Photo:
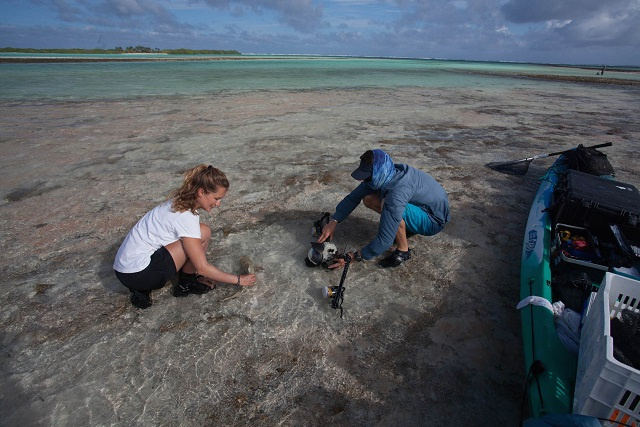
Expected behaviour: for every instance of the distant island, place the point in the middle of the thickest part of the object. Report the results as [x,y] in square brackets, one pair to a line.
[121,50]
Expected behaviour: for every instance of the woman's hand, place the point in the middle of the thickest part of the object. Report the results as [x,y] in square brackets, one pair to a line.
[206,281]
[247,280]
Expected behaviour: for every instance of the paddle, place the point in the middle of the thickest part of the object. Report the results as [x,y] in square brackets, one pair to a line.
[520,167]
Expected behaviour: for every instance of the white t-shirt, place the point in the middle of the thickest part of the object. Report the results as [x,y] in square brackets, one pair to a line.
[159,227]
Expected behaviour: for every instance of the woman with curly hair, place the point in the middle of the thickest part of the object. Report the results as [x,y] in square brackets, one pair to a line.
[170,239]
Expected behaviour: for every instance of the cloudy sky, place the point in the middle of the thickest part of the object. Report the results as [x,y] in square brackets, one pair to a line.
[549,31]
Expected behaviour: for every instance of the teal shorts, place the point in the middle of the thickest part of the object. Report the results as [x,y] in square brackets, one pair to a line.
[419,222]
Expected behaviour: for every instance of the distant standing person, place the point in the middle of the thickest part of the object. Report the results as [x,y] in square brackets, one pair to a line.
[408,200]
[170,239]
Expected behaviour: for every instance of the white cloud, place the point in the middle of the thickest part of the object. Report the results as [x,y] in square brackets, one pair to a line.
[600,27]
[555,23]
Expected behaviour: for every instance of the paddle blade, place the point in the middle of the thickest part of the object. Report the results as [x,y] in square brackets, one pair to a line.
[514,167]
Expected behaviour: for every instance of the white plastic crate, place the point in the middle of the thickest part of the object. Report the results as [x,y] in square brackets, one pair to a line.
[606,388]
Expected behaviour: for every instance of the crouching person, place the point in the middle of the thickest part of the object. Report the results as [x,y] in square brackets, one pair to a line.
[171,239]
[408,200]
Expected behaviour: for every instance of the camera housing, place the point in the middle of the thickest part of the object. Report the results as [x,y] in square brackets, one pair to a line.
[320,254]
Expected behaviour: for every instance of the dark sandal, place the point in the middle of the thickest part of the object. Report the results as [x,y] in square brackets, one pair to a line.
[199,288]
[141,299]
[395,259]
[190,284]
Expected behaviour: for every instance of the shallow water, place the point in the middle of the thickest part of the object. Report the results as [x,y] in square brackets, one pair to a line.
[436,340]
[117,80]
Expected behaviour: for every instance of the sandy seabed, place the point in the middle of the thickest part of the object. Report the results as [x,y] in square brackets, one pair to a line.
[434,342]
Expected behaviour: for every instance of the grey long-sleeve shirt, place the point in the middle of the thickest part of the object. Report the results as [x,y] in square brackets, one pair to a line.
[409,185]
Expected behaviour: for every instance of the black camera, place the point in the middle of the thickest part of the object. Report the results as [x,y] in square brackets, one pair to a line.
[320,253]
[318,225]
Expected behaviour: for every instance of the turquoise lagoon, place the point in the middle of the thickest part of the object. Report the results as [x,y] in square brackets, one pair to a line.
[201,75]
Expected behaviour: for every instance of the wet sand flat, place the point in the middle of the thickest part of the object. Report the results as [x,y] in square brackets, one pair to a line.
[433,342]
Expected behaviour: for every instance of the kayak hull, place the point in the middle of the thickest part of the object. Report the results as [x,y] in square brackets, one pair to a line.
[550,367]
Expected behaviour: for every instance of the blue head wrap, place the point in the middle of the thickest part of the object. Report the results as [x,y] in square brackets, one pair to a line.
[383,170]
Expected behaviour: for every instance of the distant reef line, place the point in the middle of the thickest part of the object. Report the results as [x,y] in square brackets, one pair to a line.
[122,51]
[577,79]
[581,79]
[126,58]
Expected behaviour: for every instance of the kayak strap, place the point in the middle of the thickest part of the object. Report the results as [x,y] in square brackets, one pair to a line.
[536,368]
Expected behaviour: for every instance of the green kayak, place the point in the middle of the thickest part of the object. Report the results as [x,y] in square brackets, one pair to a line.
[551,368]
[554,249]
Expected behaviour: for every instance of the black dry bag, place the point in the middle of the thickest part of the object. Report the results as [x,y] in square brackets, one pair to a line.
[589,160]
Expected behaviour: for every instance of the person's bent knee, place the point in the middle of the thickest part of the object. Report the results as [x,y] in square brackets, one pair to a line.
[371,201]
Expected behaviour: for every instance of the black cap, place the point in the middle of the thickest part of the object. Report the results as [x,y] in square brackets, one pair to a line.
[363,172]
